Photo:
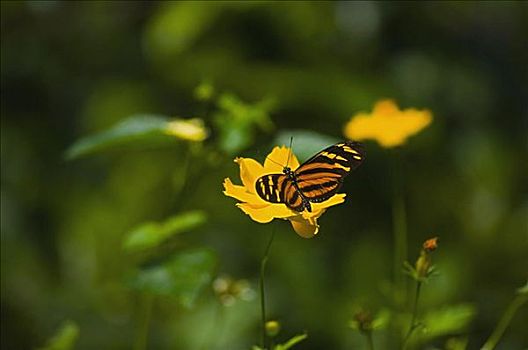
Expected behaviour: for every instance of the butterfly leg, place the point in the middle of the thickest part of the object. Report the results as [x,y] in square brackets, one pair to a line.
[307,205]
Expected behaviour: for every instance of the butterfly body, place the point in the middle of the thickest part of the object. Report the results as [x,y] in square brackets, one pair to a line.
[291,176]
[314,181]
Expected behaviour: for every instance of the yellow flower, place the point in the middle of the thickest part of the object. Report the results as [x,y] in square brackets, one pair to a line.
[387,124]
[187,129]
[305,223]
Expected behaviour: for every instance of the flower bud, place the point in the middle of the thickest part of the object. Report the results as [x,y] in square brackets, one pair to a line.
[431,244]
[272,328]
[187,129]
[423,263]
[363,321]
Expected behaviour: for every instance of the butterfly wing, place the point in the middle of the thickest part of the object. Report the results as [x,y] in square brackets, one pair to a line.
[293,198]
[320,177]
[278,188]
[317,179]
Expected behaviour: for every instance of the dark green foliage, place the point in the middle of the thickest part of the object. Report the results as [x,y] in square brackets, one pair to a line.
[182,276]
[140,214]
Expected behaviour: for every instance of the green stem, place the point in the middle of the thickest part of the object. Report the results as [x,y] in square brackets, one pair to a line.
[413,324]
[181,185]
[399,218]
[142,337]
[272,344]
[262,292]
[370,342]
[505,320]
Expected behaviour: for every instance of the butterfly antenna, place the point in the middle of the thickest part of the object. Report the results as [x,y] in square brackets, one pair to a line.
[274,161]
[290,152]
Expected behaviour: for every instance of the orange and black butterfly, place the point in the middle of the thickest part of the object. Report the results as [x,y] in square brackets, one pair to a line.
[314,181]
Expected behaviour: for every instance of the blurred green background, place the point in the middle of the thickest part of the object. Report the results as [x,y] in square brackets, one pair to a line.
[265,71]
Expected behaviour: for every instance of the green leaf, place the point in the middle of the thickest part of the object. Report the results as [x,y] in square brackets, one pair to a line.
[292,342]
[456,343]
[381,320]
[452,319]
[136,129]
[182,276]
[65,337]
[523,289]
[306,143]
[152,234]
[204,91]
[238,121]
[176,25]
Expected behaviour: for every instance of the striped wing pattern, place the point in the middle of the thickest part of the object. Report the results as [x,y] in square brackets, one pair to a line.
[316,180]
[278,188]
[321,177]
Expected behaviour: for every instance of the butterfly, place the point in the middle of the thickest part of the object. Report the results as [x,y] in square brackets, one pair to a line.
[314,181]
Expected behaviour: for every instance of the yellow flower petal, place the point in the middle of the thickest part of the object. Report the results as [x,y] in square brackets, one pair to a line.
[305,223]
[321,207]
[385,107]
[250,171]
[239,192]
[387,124]
[304,228]
[278,159]
[266,213]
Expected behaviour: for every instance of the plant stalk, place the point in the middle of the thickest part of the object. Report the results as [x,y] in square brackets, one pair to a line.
[413,324]
[262,291]
[370,342]
[399,218]
[505,320]
[142,338]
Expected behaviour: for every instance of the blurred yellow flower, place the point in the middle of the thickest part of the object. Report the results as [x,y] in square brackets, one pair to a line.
[229,290]
[187,129]
[305,223]
[387,124]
